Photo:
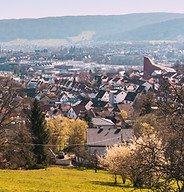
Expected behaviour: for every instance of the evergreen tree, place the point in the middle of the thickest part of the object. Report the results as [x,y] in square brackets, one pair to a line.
[147,105]
[88,119]
[40,133]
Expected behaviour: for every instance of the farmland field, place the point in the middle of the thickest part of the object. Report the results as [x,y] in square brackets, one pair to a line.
[58,179]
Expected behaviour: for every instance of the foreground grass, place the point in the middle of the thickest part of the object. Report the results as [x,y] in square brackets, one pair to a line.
[56,179]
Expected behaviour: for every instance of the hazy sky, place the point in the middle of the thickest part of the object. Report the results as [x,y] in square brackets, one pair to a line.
[44,8]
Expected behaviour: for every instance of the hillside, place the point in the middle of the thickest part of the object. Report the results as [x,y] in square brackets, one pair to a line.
[168,30]
[70,29]
[57,179]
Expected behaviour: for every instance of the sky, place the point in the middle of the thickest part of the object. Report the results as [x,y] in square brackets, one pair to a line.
[15,9]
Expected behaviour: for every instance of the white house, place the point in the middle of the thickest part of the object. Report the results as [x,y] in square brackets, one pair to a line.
[76,111]
[63,98]
[103,95]
[117,96]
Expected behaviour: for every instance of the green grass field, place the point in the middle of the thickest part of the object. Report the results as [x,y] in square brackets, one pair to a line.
[60,180]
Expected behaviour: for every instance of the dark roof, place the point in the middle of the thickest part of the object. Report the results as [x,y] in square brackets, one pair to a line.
[68,83]
[130,96]
[65,82]
[181,82]
[169,74]
[57,81]
[46,78]
[61,82]
[116,79]
[84,101]
[97,103]
[135,81]
[79,109]
[81,86]
[116,108]
[31,92]
[100,94]
[76,85]
[73,100]
[109,78]
[47,107]
[140,89]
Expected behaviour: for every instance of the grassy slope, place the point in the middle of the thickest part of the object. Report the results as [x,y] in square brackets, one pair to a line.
[58,179]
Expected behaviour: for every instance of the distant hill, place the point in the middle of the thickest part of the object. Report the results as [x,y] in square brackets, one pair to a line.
[143,26]
[168,30]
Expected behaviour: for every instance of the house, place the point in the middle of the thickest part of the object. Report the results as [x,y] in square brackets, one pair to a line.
[53,89]
[117,96]
[45,99]
[130,98]
[102,112]
[63,98]
[32,83]
[87,103]
[103,95]
[53,113]
[126,107]
[141,89]
[102,123]
[64,108]
[116,82]
[147,85]
[69,85]
[73,101]
[76,112]
[99,139]
[92,95]
[100,104]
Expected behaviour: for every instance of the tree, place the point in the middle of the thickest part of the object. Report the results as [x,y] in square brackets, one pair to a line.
[77,135]
[23,156]
[172,111]
[88,119]
[139,161]
[16,69]
[115,161]
[146,158]
[59,129]
[10,102]
[37,125]
[147,104]
[123,114]
[68,133]
[12,127]
[146,124]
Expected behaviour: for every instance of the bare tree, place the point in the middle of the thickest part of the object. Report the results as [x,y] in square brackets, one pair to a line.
[172,111]
[10,102]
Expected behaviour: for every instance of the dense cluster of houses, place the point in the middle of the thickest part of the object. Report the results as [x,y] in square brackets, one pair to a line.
[102,97]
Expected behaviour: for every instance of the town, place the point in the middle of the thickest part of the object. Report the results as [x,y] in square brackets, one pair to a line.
[76,88]
[99,107]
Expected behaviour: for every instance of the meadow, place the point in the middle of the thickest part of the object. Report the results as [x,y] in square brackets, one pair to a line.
[61,179]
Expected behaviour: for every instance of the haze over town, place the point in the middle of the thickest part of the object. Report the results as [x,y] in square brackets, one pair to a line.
[15,9]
